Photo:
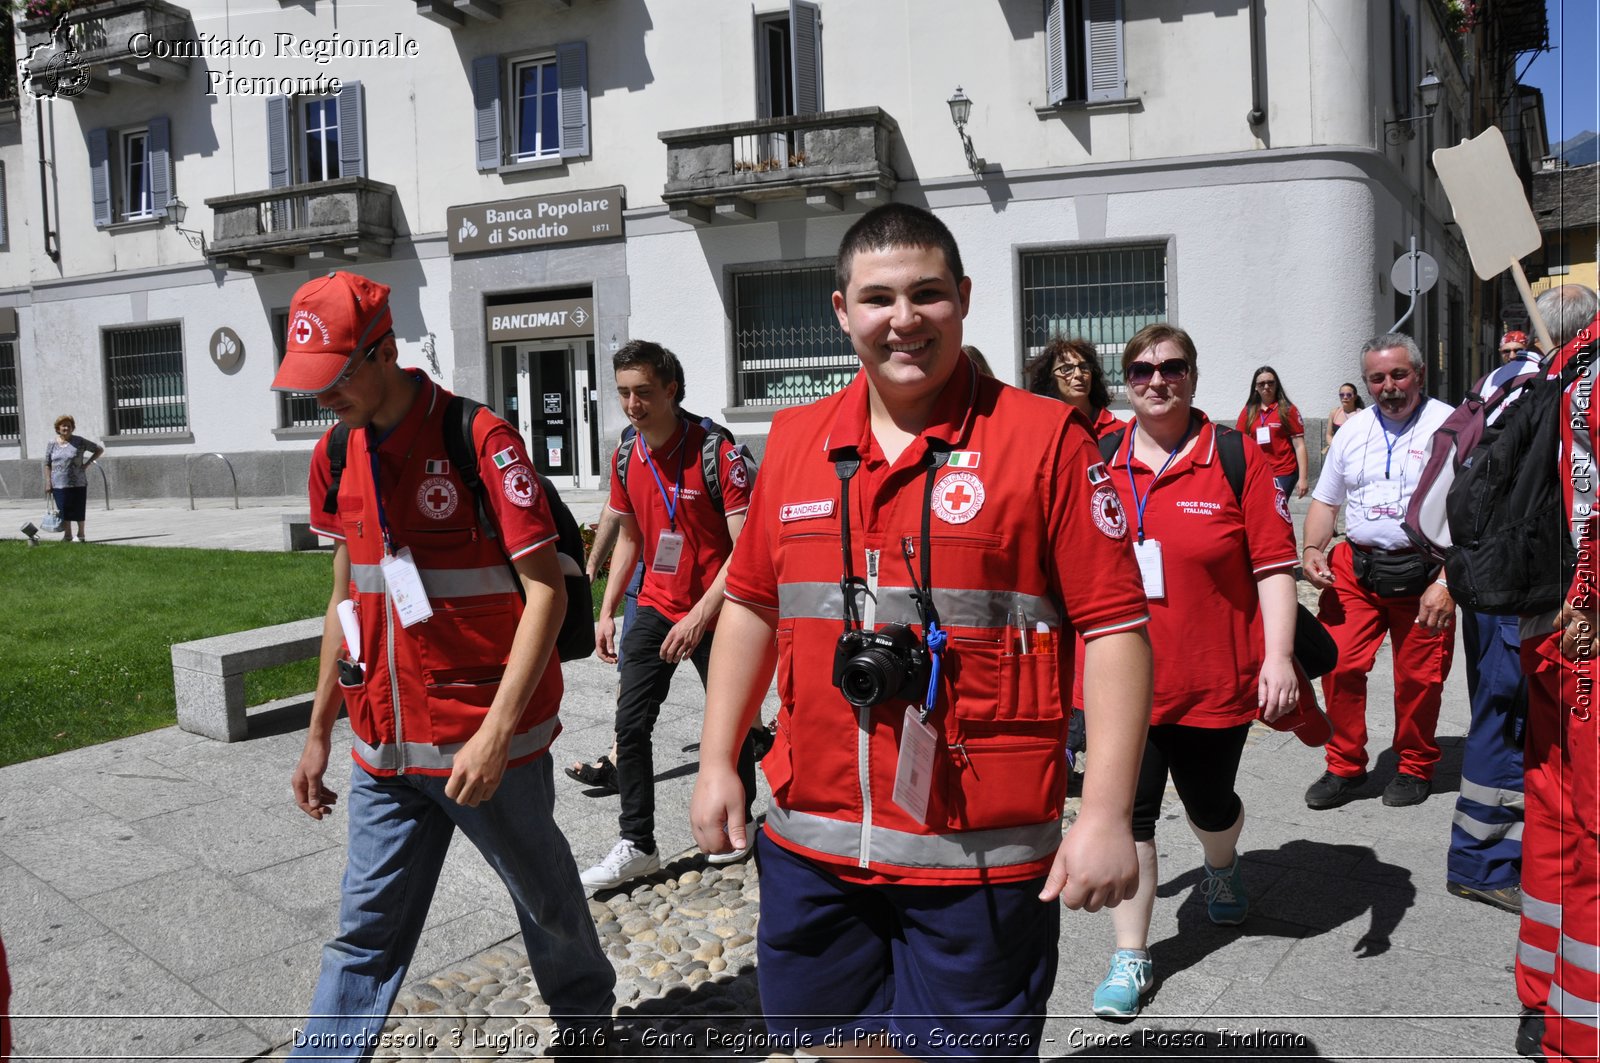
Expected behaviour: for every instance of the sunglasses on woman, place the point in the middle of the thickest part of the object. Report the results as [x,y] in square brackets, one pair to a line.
[1172,370]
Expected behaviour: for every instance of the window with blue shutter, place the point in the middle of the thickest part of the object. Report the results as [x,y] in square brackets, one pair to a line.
[544,101]
[160,165]
[100,176]
[1084,55]
[486,102]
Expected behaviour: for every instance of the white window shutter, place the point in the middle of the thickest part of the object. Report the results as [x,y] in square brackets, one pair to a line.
[160,160]
[100,176]
[1103,45]
[352,131]
[805,54]
[572,67]
[486,104]
[1055,51]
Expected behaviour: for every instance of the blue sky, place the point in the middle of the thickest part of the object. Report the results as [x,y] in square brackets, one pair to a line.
[1569,74]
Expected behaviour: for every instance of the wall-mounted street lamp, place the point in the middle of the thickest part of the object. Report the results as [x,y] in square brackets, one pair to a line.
[1428,90]
[960,111]
[177,210]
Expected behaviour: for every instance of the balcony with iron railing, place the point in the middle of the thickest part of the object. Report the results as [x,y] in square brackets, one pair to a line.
[826,159]
[455,14]
[348,219]
[103,45]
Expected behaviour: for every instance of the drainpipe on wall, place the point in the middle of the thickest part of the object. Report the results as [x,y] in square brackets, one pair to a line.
[1258,73]
[51,240]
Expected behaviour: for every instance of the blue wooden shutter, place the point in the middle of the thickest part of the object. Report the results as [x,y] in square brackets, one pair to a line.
[805,54]
[486,102]
[572,66]
[1103,46]
[160,162]
[280,157]
[352,131]
[1055,51]
[100,176]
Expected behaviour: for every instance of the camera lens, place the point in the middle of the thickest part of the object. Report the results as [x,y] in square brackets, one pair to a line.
[871,676]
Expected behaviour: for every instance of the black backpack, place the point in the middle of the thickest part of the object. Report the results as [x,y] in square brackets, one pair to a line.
[710,467]
[1314,649]
[575,641]
[1512,553]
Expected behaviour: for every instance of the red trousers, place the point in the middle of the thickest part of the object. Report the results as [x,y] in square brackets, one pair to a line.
[1558,946]
[1358,620]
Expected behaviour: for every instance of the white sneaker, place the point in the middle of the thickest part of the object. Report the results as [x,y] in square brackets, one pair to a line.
[733,856]
[623,863]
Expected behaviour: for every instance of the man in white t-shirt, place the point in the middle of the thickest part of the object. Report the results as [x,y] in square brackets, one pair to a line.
[1376,583]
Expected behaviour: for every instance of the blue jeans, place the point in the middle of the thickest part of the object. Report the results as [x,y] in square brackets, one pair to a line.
[400,830]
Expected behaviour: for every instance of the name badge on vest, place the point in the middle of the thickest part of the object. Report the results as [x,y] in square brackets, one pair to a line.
[669,551]
[913,775]
[1148,554]
[1263,434]
[410,600]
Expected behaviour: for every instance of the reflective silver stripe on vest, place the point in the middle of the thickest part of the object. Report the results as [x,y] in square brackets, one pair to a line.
[441,582]
[957,608]
[1580,954]
[1487,832]
[1003,847]
[1490,795]
[1536,959]
[388,756]
[1574,1008]
[1545,913]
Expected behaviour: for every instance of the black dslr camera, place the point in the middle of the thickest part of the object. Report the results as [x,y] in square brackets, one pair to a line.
[870,667]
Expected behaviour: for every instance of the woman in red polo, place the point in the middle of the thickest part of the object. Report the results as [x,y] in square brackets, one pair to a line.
[1218,567]
[1274,423]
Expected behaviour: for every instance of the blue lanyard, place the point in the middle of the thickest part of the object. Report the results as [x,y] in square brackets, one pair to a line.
[1389,444]
[677,493]
[1140,503]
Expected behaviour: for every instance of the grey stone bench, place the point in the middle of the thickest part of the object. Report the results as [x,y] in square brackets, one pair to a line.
[208,674]
[297,533]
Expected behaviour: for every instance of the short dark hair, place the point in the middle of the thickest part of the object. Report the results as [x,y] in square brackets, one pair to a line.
[895,225]
[654,357]
[1040,373]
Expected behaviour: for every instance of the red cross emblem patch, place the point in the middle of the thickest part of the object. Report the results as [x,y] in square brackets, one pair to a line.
[957,497]
[520,485]
[1107,511]
[302,331]
[437,498]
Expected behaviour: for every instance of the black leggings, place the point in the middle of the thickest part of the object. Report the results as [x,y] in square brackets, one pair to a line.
[1204,762]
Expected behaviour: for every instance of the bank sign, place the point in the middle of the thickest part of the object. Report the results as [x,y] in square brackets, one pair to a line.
[536,221]
[552,319]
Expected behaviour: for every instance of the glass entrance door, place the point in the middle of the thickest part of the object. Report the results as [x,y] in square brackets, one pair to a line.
[543,389]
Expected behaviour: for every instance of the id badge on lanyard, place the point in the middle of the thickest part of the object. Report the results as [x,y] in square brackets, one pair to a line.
[410,599]
[1263,433]
[913,774]
[669,551]
[1148,554]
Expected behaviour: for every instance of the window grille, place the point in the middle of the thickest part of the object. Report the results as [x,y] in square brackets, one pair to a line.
[1104,295]
[295,411]
[10,412]
[144,374]
[787,345]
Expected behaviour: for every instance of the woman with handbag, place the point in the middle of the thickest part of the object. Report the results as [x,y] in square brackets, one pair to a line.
[1217,554]
[65,459]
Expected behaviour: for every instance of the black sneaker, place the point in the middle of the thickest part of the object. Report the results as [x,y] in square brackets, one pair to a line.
[1530,1034]
[1506,898]
[1405,790]
[1332,790]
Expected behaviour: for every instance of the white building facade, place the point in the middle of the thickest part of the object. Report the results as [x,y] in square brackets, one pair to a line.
[542,180]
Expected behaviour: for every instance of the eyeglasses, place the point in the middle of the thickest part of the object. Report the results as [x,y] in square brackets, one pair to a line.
[1266,383]
[1068,369]
[355,365]
[1396,375]
[1347,394]
[1172,370]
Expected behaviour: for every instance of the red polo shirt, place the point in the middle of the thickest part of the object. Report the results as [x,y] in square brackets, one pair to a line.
[1283,426]
[704,528]
[1207,632]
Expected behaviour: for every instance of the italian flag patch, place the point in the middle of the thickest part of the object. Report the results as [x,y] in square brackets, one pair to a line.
[437,468]
[964,459]
[506,457]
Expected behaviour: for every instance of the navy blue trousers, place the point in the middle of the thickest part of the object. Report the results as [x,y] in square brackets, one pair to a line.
[1486,835]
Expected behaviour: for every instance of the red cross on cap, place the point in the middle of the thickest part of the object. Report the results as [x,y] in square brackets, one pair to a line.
[302,331]
[957,497]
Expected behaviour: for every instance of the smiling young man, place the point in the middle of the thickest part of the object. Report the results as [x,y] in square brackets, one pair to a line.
[1376,583]
[668,517]
[451,681]
[908,880]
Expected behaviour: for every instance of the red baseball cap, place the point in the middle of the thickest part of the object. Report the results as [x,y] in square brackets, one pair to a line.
[1519,340]
[331,320]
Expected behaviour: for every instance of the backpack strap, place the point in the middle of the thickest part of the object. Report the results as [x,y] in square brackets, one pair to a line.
[338,442]
[459,414]
[710,466]
[622,455]
[1230,451]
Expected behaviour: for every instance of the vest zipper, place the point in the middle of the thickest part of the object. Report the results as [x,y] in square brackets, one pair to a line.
[394,686]
[864,772]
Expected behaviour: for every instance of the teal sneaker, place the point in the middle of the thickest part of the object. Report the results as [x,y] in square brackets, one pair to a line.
[1119,996]
[1226,903]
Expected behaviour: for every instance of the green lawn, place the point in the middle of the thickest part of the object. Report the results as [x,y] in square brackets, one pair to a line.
[88,658]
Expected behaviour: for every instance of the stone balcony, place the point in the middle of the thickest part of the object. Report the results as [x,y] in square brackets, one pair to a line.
[307,226]
[826,160]
[458,13]
[102,40]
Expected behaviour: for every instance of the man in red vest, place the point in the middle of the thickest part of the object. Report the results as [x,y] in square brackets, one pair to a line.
[453,717]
